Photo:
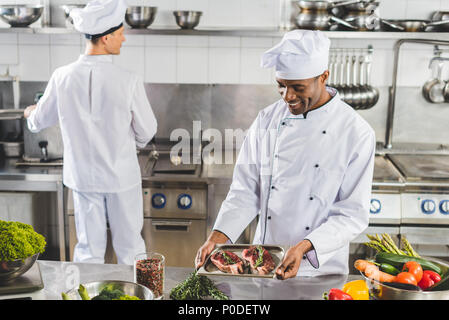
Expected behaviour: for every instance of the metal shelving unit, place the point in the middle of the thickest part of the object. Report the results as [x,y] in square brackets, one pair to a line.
[246,32]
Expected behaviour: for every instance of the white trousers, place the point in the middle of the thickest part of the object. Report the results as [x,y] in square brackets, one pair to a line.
[124,213]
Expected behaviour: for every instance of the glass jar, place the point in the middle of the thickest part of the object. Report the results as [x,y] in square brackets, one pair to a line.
[149,271]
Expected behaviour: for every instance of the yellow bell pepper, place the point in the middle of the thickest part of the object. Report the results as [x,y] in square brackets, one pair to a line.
[357,289]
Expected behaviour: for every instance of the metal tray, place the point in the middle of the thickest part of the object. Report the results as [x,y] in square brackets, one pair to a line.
[209,269]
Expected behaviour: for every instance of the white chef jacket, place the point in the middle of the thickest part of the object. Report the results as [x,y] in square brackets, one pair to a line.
[103,113]
[307,178]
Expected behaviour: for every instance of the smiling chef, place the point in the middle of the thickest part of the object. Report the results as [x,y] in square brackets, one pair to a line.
[305,167]
[104,113]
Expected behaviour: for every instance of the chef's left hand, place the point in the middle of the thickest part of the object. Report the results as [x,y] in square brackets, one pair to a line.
[292,260]
[28,111]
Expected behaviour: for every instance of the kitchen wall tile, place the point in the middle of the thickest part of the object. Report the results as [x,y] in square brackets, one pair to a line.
[9,38]
[393,9]
[192,65]
[65,39]
[160,41]
[444,5]
[192,41]
[418,9]
[34,63]
[132,59]
[35,39]
[164,16]
[160,64]
[224,65]
[250,71]
[419,73]
[133,40]
[257,42]
[224,42]
[8,54]
[382,68]
[259,13]
[225,13]
[63,55]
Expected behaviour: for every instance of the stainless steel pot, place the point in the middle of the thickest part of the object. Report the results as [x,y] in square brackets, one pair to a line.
[187,19]
[317,15]
[20,15]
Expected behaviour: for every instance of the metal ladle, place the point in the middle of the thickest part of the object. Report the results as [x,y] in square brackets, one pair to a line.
[372,92]
[355,88]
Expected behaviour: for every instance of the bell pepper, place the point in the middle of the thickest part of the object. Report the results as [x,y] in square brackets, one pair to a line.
[414,268]
[336,294]
[428,279]
[357,289]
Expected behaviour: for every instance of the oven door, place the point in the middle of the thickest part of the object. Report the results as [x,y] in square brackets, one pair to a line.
[177,240]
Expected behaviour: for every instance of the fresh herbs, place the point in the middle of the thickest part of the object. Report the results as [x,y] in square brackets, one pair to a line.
[259,260]
[196,287]
[386,244]
[227,258]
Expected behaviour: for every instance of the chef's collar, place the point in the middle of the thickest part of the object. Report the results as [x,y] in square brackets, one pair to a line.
[96,58]
[324,109]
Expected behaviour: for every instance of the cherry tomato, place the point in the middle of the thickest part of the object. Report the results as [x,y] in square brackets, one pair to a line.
[406,277]
[414,268]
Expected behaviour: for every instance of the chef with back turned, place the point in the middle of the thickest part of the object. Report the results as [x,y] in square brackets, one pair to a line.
[305,167]
[104,114]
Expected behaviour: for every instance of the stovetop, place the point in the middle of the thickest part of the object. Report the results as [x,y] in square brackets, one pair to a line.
[422,167]
[385,171]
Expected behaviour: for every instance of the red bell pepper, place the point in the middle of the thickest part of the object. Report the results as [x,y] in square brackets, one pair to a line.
[429,278]
[337,294]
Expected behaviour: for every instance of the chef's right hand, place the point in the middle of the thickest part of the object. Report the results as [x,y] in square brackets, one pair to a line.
[216,237]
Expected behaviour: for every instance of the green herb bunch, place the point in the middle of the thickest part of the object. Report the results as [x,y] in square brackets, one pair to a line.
[19,241]
[197,287]
[227,258]
[260,257]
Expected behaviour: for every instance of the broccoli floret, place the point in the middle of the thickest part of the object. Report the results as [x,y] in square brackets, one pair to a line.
[127,297]
[108,293]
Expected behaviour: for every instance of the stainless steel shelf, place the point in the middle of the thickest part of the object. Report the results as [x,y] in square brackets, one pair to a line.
[246,32]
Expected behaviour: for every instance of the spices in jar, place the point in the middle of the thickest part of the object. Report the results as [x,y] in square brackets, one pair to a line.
[149,272]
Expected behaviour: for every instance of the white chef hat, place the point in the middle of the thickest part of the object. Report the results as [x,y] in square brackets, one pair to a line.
[302,54]
[99,17]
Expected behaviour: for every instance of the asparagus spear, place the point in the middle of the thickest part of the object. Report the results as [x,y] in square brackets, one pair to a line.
[65,296]
[83,293]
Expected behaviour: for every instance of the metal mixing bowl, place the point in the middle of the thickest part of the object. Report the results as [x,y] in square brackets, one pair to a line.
[140,16]
[187,19]
[10,270]
[68,7]
[20,15]
[382,292]
[129,288]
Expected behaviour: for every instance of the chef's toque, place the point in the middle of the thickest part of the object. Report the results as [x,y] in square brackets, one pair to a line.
[99,17]
[302,54]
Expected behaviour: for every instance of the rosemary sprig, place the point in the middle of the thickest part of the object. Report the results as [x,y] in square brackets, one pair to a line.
[259,260]
[227,258]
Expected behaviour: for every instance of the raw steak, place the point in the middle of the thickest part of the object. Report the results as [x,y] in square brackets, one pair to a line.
[252,254]
[225,265]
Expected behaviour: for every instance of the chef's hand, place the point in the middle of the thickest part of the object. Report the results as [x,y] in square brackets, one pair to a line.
[292,260]
[28,110]
[216,237]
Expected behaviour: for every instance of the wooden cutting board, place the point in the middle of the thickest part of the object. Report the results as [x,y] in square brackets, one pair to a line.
[28,282]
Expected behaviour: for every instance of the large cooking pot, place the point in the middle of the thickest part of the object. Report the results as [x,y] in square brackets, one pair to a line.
[364,18]
[317,15]
[441,16]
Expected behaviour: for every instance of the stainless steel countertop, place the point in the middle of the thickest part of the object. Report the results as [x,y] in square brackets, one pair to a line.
[62,276]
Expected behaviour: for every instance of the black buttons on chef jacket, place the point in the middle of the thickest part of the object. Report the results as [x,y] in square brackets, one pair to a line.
[317,165]
[307,228]
[269,217]
[311,198]
[272,187]
[324,131]
[283,123]
[304,257]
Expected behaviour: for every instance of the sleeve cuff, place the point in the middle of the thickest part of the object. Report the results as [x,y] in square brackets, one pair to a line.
[312,256]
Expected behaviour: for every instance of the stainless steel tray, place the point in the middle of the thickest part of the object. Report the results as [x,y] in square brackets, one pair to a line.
[209,269]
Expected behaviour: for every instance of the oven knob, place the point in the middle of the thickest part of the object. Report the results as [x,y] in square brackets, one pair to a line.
[428,206]
[184,201]
[375,206]
[444,206]
[158,200]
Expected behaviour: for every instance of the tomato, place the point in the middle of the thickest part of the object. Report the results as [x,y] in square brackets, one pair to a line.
[406,277]
[414,268]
